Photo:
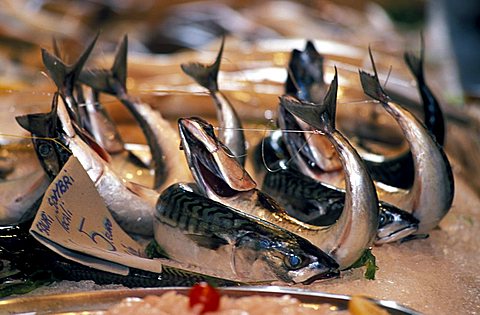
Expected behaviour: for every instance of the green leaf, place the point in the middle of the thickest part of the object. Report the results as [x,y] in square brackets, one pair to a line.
[153,250]
[369,261]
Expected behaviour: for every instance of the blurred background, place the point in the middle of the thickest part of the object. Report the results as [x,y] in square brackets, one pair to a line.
[451,29]
[260,36]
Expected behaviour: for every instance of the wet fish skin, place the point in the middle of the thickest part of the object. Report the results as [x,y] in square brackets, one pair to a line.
[102,127]
[231,131]
[224,180]
[300,159]
[431,195]
[132,206]
[65,76]
[434,120]
[305,74]
[230,241]
[162,140]
[20,197]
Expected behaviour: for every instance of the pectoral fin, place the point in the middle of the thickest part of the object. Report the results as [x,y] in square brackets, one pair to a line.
[208,241]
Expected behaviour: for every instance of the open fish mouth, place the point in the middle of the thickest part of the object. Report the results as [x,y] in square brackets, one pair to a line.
[322,276]
[211,162]
[396,235]
[301,148]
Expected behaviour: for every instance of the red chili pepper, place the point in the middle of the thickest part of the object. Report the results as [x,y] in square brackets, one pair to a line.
[206,295]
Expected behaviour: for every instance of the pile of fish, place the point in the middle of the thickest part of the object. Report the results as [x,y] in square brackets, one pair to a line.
[323,199]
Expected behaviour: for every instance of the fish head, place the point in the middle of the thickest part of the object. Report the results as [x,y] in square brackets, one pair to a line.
[305,74]
[291,259]
[46,138]
[394,224]
[214,167]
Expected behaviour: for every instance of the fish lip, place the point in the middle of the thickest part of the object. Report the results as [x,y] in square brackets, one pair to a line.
[397,235]
[204,152]
[322,276]
[302,153]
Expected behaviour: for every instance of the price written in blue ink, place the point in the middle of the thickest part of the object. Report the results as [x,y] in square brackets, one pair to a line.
[105,236]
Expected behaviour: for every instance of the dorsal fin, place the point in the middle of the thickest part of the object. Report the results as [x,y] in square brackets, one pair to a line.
[205,75]
[41,124]
[319,116]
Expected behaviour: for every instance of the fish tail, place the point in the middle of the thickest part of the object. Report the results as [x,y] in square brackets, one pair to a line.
[319,116]
[42,124]
[62,74]
[371,84]
[414,63]
[119,68]
[101,80]
[205,75]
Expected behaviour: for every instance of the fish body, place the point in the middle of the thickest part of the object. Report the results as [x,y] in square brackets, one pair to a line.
[433,115]
[431,195]
[231,131]
[312,190]
[101,125]
[305,75]
[65,77]
[131,205]
[162,140]
[224,180]
[320,204]
[20,197]
[231,242]
[7,165]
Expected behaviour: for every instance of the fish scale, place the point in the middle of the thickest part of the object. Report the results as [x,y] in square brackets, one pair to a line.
[175,203]
[231,243]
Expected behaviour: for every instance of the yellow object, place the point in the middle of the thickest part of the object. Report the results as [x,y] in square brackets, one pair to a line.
[359,305]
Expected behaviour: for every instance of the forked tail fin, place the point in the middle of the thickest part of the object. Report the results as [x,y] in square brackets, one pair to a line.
[205,75]
[62,74]
[414,63]
[107,81]
[319,116]
[370,83]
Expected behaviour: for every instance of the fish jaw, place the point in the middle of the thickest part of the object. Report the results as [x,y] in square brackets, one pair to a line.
[394,224]
[241,239]
[215,169]
[313,154]
[19,196]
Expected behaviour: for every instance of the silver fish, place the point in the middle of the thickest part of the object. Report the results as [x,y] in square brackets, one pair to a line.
[131,205]
[310,185]
[431,195]
[169,165]
[19,197]
[6,166]
[65,76]
[231,132]
[101,126]
[196,230]
[225,181]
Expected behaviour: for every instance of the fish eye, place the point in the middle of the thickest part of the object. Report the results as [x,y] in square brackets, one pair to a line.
[384,218]
[293,261]
[44,149]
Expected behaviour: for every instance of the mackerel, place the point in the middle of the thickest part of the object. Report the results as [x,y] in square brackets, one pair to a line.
[194,229]
[231,132]
[162,139]
[224,180]
[431,195]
